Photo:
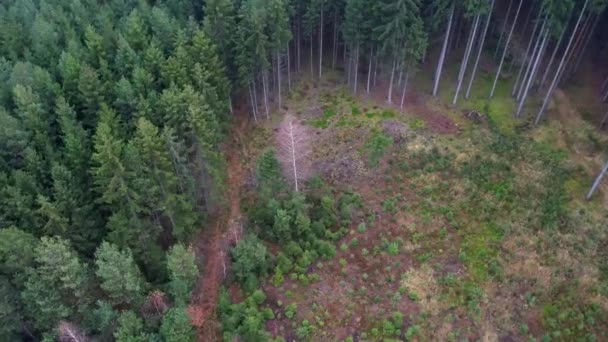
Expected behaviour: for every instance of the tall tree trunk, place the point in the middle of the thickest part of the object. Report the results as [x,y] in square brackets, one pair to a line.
[265,90]
[356,71]
[288,69]
[369,69]
[573,51]
[407,76]
[465,59]
[530,80]
[279,78]
[255,95]
[504,29]
[528,52]
[312,63]
[535,51]
[443,52]
[559,43]
[375,68]
[253,109]
[299,45]
[504,53]
[334,52]
[597,182]
[390,87]
[457,29]
[585,45]
[481,44]
[321,43]
[350,65]
[543,108]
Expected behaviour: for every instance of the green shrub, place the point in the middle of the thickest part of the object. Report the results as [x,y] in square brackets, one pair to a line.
[291,310]
[376,147]
[249,258]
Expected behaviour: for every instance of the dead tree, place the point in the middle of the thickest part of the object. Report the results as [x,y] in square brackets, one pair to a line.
[293,149]
[68,332]
[597,182]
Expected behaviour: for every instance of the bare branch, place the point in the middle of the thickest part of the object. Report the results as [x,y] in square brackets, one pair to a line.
[68,332]
[293,140]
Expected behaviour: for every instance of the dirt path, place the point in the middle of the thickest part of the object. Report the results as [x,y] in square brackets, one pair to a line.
[212,246]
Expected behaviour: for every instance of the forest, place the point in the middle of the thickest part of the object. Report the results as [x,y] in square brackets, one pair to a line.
[303,170]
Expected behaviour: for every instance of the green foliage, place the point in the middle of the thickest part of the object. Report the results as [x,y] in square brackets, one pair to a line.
[250,261]
[245,319]
[57,286]
[183,272]
[17,253]
[130,328]
[120,277]
[271,183]
[11,319]
[376,147]
[177,326]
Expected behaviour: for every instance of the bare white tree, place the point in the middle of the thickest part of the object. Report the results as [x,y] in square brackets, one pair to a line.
[293,149]
[69,332]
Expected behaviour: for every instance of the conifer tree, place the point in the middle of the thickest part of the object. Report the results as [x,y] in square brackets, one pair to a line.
[183,272]
[120,277]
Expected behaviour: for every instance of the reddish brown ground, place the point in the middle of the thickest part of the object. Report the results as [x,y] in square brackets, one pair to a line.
[212,246]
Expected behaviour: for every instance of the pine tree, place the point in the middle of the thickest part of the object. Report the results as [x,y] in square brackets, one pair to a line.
[17,252]
[120,277]
[57,287]
[183,272]
[177,326]
[11,320]
[130,328]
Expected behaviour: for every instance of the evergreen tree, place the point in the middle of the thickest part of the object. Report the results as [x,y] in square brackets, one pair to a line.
[183,272]
[11,320]
[130,328]
[120,277]
[176,326]
[17,253]
[58,285]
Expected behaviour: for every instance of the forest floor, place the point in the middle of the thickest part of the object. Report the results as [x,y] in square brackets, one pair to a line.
[212,246]
[471,229]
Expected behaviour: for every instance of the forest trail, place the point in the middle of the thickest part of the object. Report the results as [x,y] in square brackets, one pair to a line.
[213,246]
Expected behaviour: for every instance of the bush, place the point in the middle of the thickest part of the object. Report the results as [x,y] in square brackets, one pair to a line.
[250,260]
[376,147]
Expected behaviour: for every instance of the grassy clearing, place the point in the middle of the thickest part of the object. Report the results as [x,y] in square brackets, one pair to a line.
[462,236]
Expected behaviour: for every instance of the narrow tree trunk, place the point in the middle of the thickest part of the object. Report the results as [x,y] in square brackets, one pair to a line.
[288,69]
[375,68]
[356,71]
[279,78]
[443,52]
[400,75]
[504,53]
[457,29]
[543,108]
[481,44]
[530,80]
[535,52]
[504,28]
[597,182]
[369,69]
[585,45]
[334,52]
[312,64]
[255,95]
[255,116]
[528,51]
[390,87]
[407,76]
[575,48]
[559,43]
[265,90]
[350,66]
[321,43]
[465,60]
[299,45]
